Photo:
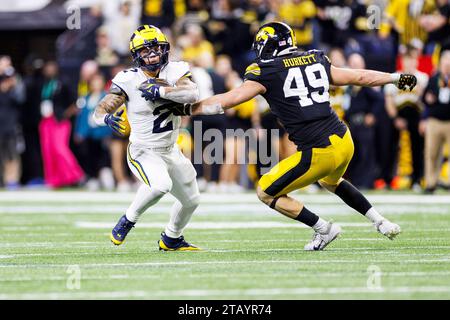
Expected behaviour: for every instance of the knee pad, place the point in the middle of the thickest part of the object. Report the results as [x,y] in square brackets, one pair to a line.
[193,201]
[162,186]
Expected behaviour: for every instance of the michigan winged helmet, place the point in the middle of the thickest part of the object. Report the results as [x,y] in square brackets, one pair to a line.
[152,38]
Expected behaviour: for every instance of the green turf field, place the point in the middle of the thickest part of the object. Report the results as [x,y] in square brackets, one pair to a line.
[50,240]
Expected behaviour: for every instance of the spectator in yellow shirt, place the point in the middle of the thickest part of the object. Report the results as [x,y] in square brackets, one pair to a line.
[299,14]
[403,16]
[196,44]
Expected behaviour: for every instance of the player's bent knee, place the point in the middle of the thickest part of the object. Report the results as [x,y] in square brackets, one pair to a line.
[193,202]
[330,187]
[163,187]
[264,197]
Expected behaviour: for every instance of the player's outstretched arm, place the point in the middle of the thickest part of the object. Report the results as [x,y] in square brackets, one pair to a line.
[371,78]
[216,104]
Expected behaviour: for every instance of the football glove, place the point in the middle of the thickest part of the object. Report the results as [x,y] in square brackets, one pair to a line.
[406,80]
[181,109]
[114,122]
[150,89]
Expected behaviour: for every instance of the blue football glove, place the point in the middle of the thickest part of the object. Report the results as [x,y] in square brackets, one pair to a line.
[150,89]
[114,122]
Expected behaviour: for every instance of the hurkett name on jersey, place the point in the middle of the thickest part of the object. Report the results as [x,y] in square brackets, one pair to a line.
[297,91]
[299,61]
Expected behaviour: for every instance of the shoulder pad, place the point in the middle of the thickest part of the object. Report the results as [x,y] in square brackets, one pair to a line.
[179,64]
[125,75]
[116,89]
[254,69]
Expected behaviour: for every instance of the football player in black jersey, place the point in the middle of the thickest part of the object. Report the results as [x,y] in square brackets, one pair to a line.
[296,84]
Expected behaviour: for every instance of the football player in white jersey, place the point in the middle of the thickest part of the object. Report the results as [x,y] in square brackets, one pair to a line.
[153,156]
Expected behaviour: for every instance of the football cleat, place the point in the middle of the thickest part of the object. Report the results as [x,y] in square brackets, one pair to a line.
[121,230]
[320,241]
[387,228]
[175,244]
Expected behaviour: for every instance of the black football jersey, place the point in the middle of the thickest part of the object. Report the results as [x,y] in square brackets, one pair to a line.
[297,92]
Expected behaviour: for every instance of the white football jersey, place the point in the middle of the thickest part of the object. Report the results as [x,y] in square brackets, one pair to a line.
[150,125]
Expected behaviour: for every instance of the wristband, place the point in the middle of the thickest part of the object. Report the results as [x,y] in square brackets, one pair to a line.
[212,109]
[395,77]
[99,120]
[162,92]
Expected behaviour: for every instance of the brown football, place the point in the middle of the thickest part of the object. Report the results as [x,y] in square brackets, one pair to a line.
[162,82]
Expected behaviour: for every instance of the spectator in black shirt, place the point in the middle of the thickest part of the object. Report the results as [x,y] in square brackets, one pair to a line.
[11,96]
[32,170]
[360,104]
[160,13]
[339,20]
[438,24]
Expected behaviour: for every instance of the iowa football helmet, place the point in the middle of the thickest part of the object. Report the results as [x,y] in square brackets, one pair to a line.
[152,38]
[274,39]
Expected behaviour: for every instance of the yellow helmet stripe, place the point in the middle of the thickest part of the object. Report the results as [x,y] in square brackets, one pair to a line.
[146,33]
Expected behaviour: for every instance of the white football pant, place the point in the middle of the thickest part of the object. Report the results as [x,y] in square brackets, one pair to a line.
[163,170]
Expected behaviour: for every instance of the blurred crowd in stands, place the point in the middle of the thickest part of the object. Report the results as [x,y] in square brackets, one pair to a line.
[47,136]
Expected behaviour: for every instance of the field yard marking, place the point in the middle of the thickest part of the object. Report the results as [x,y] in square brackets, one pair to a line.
[215,225]
[360,251]
[225,292]
[22,196]
[331,251]
[250,209]
[220,262]
[336,274]
[365,250]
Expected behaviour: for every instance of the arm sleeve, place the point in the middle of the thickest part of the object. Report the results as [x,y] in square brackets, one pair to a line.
[390,89]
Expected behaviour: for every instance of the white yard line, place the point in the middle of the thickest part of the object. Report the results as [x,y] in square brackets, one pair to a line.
[214,225]
[357,250]
[336,274]
[230,209]
[115,197]
[255,292]
[223,263]
[360,251]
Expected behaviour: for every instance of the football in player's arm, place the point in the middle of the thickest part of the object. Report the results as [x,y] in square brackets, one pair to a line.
[155,93]
[185,92]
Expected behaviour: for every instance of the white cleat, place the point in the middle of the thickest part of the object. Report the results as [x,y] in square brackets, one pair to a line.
[387,228]
[320,241]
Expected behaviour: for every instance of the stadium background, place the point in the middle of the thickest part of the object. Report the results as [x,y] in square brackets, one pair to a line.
[215,37]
